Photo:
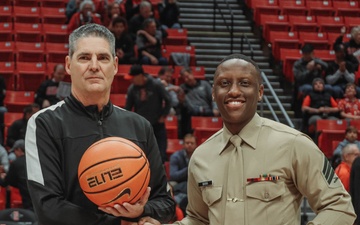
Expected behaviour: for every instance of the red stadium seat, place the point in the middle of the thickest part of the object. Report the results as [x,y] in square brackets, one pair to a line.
[55,33]
[320,8]
[118,99]
[30,51]
[330,24]
[176,37]
[171,125]
[273,23]
[7,71]
[15,101]
[6,13]
[347,8]
[30,75]
[333,36]
[356,123]
[328,131]
[351,22]
[7,50]
[52,15]
[288,57]
[53,3]
[325,55]
[56,52]
[151,69]
[28,32]
[27,3]
[303,23]
[293,7]
[318,40]
[281,39]
[260,7]
[204,126]
[173,145]
[24,14]
[167,50]
[120,85]
[6,31]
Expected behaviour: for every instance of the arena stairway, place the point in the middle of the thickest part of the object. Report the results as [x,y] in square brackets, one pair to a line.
[211,46]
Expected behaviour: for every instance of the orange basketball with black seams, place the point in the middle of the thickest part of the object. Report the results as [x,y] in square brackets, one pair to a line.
[112,171]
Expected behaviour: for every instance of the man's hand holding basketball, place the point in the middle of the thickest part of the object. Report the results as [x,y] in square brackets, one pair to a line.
[148,221]
[128,210]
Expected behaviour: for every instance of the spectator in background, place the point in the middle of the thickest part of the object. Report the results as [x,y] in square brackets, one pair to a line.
[352,47]
[195,99]
[132,8]
[165,75]
[148,41]
[179,162]
[350,105]
[46,94]
[351,136]
[169,15]
[3,109]
[341,71]
[16,176]
[112,11]
[124,45]
[85,15]
[306,69]
[355,188]
[318,104]
[72,7]
[348,155]
[136,22]
[148,98]
[17,129]
[4,160]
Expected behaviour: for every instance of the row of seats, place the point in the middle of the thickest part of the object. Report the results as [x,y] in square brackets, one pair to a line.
[329,131]
[33,14]
[320,24]
[308,7]
[27,76]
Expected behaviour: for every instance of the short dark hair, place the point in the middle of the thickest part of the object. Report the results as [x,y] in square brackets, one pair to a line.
[351,129]
[307,48]
[147,22]
[165,69]
[242,57]
[120,19]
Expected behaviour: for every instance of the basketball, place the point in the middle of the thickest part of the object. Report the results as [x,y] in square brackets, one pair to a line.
[112,171]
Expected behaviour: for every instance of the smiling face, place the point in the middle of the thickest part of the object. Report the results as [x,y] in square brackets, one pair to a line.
[92,68]
[236,91]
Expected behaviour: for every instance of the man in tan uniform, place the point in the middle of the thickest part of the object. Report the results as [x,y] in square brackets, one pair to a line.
[262,178]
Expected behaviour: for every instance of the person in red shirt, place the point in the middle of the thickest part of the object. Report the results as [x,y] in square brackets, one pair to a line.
[84,16]
[350,105]
[348,154]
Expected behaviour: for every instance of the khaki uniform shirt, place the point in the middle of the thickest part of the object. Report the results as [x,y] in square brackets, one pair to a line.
[271,148]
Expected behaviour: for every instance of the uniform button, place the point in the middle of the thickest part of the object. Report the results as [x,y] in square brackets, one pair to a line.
[266,195]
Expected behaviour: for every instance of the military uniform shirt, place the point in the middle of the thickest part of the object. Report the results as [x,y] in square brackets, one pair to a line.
[271,148]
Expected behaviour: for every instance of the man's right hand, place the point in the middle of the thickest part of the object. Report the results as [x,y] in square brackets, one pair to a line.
[148,221]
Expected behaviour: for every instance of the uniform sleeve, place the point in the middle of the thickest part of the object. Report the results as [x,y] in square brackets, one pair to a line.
[354,186]
[46,184]
[197,209]
[317,181]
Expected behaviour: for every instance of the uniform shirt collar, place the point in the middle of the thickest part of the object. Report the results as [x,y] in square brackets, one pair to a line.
[249,134]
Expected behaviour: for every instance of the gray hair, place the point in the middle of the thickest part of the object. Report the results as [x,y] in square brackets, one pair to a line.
[91,30]
[144,4]
[355,31]
[87,2]
[347,149]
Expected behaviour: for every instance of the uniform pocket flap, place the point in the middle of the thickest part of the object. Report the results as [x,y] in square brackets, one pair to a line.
[266,190]
[211,194]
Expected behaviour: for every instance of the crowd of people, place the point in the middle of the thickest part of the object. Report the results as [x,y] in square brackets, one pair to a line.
[139,26]
[205,184]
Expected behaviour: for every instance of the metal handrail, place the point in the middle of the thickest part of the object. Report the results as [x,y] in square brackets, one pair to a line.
[231,28]
[244,36]
[266,81]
